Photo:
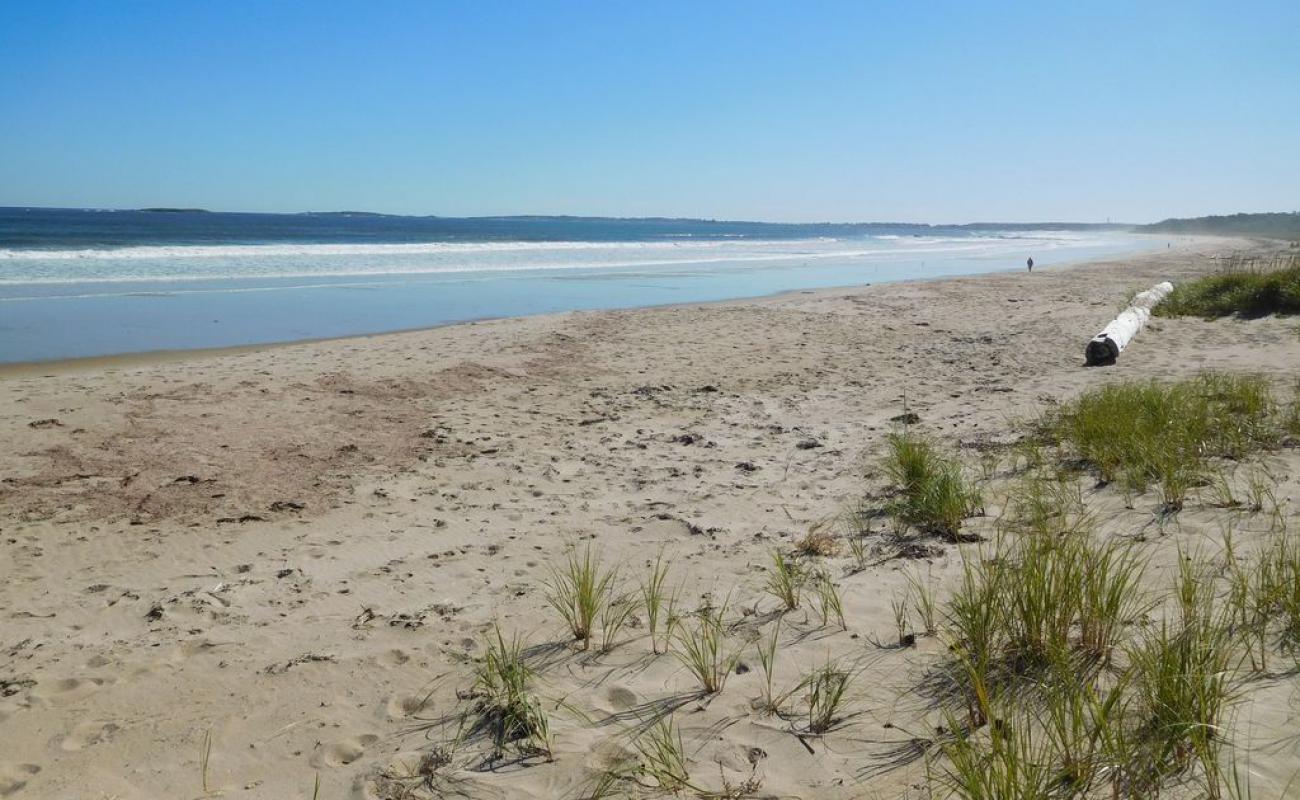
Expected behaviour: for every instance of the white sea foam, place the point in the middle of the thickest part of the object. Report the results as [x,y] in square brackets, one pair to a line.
[422,248]
[279,262]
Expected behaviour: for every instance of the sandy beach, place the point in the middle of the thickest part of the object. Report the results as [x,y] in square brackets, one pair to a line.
[283,561]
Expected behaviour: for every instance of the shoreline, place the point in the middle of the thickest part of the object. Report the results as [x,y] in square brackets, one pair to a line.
[144,358]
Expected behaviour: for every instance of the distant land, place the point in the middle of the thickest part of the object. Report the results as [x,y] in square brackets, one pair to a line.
[920,226]
[1274,226]
[1279,225]
[863,226]
[97,228]
[354,214]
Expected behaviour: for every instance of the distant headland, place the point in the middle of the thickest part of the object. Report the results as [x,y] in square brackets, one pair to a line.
[1272,225]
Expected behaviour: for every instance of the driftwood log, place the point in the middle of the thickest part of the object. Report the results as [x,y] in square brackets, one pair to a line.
[1106,346]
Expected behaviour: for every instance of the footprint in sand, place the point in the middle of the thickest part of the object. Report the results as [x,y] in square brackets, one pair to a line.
[65,689]
[15,776]
[87,734]
[344,751]
[393,658]
[401,706]
[621,698]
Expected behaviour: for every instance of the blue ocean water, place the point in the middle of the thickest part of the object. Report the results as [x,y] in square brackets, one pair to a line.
[79,283]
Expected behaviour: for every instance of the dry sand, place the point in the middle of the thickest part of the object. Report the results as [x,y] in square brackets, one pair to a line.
[296,550]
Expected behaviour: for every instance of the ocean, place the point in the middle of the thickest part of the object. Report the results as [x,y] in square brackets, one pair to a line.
[76,282]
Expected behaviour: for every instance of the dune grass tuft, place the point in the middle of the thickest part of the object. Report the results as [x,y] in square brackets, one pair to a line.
[205,758]
[1183,677]
[1291,414]
[785,580]
[921,596]
[660,603]
[1036,605]
[663,757]
[1047,503]
[579,591]
[829,603]
[933,494]
[902,622]
[772,701]
[703,649]
[1243,288]
[1264,600]
[507,708]
[827,688]
[1034,623]
[614,616]
[1143,433]
[1012,762]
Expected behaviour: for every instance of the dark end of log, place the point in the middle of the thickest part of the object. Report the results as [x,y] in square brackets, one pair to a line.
[1101,352]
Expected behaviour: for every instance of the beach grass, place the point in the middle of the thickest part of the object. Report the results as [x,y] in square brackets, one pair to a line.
[932,492]
[1012,763]
[580,590]
[1047,502]
[1033,623]
[663,757]
[922,596]
[901,610]
[785,580]
[829,603]
[1070,671]
[506,705]
[704,650]
[1242,288]
[771,702]
[1182,679]
[1291,413]
[614,616]
[1140,433]
[1264,599]
[659,603]
[858,550]
[827,687]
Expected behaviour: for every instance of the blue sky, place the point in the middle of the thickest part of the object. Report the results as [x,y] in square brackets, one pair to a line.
[796,111]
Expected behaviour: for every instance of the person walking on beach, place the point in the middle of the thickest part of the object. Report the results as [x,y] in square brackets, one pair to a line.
[1030,262]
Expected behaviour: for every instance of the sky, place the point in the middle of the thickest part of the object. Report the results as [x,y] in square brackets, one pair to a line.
[785,111]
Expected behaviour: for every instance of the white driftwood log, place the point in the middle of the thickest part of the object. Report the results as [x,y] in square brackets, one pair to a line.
[1106,346]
